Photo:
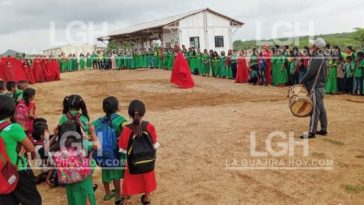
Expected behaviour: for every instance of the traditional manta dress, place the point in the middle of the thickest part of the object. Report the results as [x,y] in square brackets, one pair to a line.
[242,73]
[70,64]
[222,65]
[199,63]
[181,73]
[137,183]
[17,68]
[64,65]
[216,67]
[279,72]
[53,69]
[74,64]
[171,58]
[205,64]
[331,83]
[39,71]
[119,62]
[267,55]
[2,72]
[229,71]
[193,64]
[82,63]
[88,62]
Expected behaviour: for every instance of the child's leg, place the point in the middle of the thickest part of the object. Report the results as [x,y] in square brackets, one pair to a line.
[107,189]
[117,189]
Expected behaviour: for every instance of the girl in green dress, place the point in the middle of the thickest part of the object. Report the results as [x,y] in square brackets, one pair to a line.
[115,174]
[193,64]
[215,61]
[229,71]
[88,61]
[70,63]
[82,192]
[331,83]
[206,63]
[279,72]
[82,62]
[171,59]
[222,62]
[74,63]
[199,61]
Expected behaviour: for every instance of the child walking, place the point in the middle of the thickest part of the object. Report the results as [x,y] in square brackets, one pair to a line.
[137,131]
[109,144]
[25,111]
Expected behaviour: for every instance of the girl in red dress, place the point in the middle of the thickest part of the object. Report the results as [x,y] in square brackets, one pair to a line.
[267,55]
[38,71]
[242,74]
[28,72]
[181,73]
[137,183]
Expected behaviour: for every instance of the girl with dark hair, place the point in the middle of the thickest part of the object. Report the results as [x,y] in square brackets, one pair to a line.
[25,110]
[111,107]
[13,135]
[134,184]
[72,105]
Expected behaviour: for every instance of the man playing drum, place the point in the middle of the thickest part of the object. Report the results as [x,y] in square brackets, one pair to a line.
[314,81]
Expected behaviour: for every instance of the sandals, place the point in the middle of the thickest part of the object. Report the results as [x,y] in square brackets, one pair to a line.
[107,197]
[142,199]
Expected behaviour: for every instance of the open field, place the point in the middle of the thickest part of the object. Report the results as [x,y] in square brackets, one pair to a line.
[202,129]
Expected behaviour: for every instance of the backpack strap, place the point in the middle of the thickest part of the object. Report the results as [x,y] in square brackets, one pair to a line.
[4,124]
[75,119]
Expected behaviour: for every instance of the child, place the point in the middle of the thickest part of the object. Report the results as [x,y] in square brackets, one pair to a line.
[253,77]
[12,91]
[26,192]
[72,105]
[2,88]
[42,139]
[111,174]
[262,68]
[358,74]
[331,82]
[81,192]
[25,110]
[138,183]
[349,68]
[340,75]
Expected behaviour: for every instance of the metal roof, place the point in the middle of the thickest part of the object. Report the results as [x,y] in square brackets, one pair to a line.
[165,21]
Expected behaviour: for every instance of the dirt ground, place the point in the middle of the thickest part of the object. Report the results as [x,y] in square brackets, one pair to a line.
[203,129]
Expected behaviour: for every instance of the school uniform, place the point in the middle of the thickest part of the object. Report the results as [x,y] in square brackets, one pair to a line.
[138,183]
[358,78]
[83,119]
[340,74]
[108,175]
[26,192]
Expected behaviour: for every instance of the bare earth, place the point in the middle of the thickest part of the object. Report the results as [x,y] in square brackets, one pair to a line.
[203,129]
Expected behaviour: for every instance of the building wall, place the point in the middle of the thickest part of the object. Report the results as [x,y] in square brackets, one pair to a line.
[194,26]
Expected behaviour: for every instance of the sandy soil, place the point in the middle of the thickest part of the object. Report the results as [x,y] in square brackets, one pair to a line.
[203,129]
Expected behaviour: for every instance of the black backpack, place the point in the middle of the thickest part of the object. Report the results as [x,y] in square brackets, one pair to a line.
[141,154]
[70,128]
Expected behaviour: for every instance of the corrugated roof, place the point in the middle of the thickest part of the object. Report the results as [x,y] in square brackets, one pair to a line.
[165,21]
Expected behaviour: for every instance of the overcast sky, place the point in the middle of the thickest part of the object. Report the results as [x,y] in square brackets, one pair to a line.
[34,25]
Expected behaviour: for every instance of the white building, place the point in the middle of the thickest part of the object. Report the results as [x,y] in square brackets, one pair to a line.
[72,49]
[204,28]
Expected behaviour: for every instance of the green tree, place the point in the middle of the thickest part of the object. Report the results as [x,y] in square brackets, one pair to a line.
[359,35]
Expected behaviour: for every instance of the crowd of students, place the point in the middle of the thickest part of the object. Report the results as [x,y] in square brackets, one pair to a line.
[277,66]
[26,142]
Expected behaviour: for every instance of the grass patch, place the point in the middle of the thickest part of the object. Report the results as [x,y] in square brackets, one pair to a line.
[354,189]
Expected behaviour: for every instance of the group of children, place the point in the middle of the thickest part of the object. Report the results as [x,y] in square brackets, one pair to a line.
[68,157]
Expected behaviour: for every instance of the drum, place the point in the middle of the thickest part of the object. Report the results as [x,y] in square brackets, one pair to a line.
[300,102]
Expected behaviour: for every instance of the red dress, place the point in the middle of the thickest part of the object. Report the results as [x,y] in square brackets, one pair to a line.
[242,73]
[39,71]
[2,72]
[268,61]
[137,183]
[28,73]
[181,73]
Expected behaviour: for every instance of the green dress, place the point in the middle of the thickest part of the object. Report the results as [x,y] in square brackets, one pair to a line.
[331,83]
[70,65]
[222,65]
[82,63]
[205,64]
[84,121]
[279,72]
[216,67]
[74,64]
[119,62]
[229,71]
[170,60]
[199,63]
[193,63]
[108,175]
[89,62]
[64,65]
[80,193]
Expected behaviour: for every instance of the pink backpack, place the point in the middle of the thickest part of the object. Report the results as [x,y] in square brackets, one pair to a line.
[73,166]
[22,116]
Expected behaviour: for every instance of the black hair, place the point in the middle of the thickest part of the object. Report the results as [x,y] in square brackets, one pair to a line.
[349,58]
[360,54]
[21,84]
[75,102]
[110,105]
[7,107]
[2,85]
[28,94]
[136,111]
[39,127]
[10,85]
